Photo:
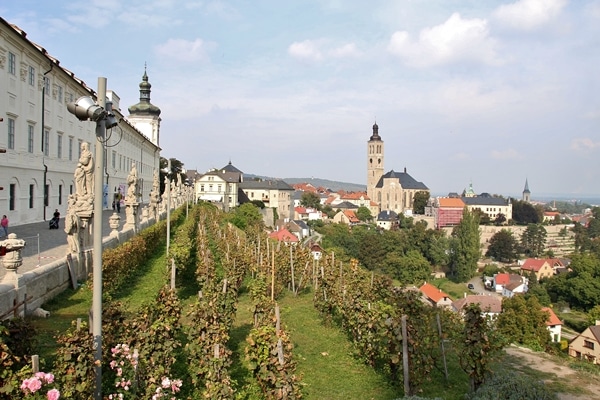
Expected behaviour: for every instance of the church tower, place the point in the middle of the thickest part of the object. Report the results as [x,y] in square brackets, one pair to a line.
[526,192]
[374,161]
[144,115]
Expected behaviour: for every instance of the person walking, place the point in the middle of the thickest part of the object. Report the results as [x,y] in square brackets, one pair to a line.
[4,227]
[55,219]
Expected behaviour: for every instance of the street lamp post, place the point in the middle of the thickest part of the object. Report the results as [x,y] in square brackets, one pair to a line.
[86,109]
[168,189]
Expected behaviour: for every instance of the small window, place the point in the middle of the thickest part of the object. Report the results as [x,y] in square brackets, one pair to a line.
[588,344]
[12,63]
[47,86]
[30,137]
[31,76]
[59,142]
[11,133]
[12,191]
[31,197]
[46,142]
[70,148]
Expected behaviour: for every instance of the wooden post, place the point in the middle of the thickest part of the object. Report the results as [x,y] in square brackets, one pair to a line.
[173,270]
[35,363]
[292,270]
[439,324]
[277,319]
[78,323]
[272,275]
[405,357]
[280,352]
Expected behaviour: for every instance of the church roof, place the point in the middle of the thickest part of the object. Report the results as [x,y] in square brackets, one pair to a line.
[144,107]
[406,181]
[230,168]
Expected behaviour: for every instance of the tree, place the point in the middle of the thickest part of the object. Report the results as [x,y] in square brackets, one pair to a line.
[523,321]
[311,200]
[364,214]
[420,201]
[512,386]
[502,246]
[246,215]
[477,345]
[524,213]
[411,268]
[533,240]
[464,248]
[176,169]
[500,219]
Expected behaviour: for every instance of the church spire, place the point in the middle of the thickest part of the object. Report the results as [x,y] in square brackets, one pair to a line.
[144,107]
[526,192]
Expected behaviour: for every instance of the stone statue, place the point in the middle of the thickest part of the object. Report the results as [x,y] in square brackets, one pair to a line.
[84,173]
[71,225]
[132,181]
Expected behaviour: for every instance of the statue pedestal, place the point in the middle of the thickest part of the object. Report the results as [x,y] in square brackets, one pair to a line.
[131,214]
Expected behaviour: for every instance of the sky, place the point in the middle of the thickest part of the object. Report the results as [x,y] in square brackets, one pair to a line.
[472,91]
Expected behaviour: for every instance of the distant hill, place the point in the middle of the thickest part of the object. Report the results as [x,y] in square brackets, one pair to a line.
[316,182]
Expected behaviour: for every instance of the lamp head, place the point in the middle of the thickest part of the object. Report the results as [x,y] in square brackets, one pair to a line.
[110,121]
[86,108]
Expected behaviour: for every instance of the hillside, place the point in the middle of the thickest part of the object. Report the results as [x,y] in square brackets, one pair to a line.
[316,182]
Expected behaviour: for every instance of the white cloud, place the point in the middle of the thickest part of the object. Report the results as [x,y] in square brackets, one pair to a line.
[185,50]
[508,154]
[347,50]
[584,144]
[529,14]
[306,50]
[455,40]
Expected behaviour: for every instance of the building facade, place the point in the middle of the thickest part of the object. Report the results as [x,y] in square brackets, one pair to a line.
[273,193]
[43,141]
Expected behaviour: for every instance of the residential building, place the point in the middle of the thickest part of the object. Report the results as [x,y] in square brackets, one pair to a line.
[220,186]
[273,193]
[446,211]
[283,235]
[509,284]
[490,305]
[435,296]
[554,325]
[393,191]
[489,205]
[43,140]
[387,220]
[347,217]
[586,346]
[542,267]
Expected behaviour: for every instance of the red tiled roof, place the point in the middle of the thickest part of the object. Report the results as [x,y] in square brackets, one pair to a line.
[502,279]
[487,303]
[283,235]
[552,318]
[451,202]
[535,264]
[351,216]
[433,293]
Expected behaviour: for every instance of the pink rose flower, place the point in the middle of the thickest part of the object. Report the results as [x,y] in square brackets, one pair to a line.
[53,394]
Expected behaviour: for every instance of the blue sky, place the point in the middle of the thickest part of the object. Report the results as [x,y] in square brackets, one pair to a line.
[488,92]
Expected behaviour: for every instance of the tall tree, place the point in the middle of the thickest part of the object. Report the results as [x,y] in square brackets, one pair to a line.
[310,199]
[533,240]
[524,213]
[503,246]
[364,214]
[523,321]
[464,248]
[420,201]
[176,169]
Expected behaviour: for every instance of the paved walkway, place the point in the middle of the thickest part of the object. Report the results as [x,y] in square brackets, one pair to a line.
[44,245]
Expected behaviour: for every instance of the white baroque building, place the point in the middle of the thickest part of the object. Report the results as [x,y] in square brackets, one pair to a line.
[43,140]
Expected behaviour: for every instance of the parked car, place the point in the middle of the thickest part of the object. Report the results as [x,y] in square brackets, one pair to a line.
[470,286]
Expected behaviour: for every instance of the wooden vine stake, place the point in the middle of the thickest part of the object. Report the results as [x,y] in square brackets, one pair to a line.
[439,324]
[173,270]
[405,357]
[272,275]
[292,269]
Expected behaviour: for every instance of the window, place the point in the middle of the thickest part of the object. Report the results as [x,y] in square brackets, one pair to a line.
[31,196]
[60,94]
[60,194]
[588,344]
[46,192]
[70,148]
[30,136]
[219,188]
[79,148]
[59,141]
[31,76]
[11,196]
[47,86]
[11,133]
[46,142]
[202,188]
[114,159]
[12,63]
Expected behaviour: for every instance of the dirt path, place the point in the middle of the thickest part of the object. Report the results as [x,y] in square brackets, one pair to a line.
[576,385]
